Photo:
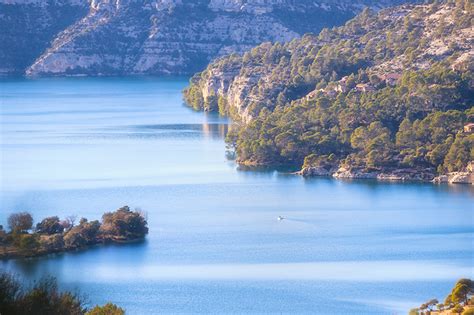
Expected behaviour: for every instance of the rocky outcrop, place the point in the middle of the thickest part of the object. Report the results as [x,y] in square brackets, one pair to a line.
[464,177]
[345,172]
[461,178]
[454,178]
[120,37]
[316,171]
[352,172]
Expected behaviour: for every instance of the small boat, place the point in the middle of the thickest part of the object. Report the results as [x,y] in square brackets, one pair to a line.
[280,218]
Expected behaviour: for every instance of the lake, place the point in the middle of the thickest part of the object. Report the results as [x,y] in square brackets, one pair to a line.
[85,146]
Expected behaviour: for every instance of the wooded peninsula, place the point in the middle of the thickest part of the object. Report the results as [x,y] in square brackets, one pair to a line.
[53,235]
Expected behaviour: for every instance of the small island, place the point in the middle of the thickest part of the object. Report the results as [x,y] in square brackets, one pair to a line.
[53,235]
[459,301]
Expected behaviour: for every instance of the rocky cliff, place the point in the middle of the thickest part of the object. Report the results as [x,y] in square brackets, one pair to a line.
[116,37]
[242,82]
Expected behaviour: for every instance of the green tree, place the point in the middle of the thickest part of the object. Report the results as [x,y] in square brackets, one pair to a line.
[463,288]
[49,226]
[222,104]
[107,309]
[460,153]
[211,102]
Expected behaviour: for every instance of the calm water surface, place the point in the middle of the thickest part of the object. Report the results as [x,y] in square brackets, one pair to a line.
[86,146]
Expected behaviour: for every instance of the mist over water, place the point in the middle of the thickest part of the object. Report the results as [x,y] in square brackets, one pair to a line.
[86,146]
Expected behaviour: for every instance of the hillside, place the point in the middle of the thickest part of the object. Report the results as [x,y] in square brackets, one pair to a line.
[28,27]
[384,96]
[127,37]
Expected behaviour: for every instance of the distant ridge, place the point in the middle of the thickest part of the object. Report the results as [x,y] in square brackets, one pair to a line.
[128,37]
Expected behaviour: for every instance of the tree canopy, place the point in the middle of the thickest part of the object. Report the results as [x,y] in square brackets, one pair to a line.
[372,94]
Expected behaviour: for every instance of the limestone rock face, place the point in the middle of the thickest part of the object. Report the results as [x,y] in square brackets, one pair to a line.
[455,178]
[313,171]
[464,177]
[121,37]
[461,178]
[424,175]
[348,173]
[243,84]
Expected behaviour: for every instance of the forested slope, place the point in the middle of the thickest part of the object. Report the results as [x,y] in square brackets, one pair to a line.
[388,94]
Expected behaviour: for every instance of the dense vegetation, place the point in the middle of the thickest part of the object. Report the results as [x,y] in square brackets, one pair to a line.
[377,93]
[44,298]
[459,301]
[54,235]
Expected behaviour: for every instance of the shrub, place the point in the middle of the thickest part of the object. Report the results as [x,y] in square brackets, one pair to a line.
[9,293]
[52,242]
[107,309]
[28,242]
[74,239]
[43,298]
[3,236]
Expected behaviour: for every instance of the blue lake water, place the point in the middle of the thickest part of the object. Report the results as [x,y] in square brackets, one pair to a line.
[87,146]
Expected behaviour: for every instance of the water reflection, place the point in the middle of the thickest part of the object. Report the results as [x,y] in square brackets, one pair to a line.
[215,131]
[205,130]
[129,254]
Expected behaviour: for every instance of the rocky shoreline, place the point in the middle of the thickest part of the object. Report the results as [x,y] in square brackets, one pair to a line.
[455,178]
[424,175]
[12,252]
[427,175]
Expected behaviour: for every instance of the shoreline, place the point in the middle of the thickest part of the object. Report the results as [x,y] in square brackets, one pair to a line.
[383,175]
[11,252]
[394,175]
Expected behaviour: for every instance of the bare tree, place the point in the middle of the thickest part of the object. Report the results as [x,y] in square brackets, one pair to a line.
[69,222]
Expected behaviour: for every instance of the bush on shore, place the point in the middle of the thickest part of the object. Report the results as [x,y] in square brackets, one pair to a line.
[44,298]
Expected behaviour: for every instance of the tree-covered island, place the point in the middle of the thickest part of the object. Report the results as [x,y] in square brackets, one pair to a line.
[53,235]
